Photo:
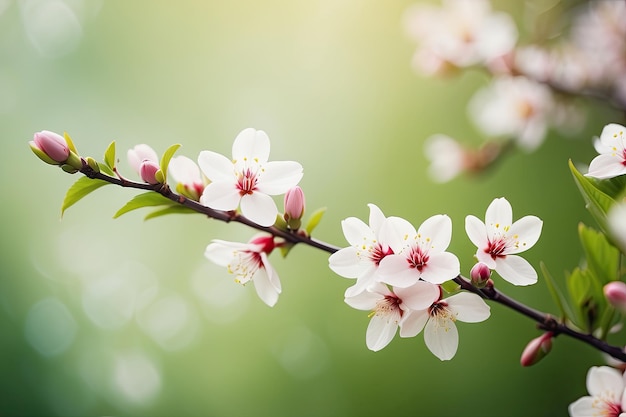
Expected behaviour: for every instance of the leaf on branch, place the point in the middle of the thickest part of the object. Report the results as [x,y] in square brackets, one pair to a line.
[105,169]
[165,160]
[597,202]
[70,143]
[450,287]
[80,189]
[557,295]
[603,259]
[109,156]
[173,209]
[579,287]
[314,220]
[148,199]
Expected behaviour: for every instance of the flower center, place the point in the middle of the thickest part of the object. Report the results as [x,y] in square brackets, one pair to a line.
[496,247]
[441,314]
[606,405]
[247,181]
[389,306]
[244,265]
[417,258]
[378,252]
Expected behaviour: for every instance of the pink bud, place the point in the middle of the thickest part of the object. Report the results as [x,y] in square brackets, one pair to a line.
[480,274]
[537,349]
[53,145]
[615,293]
[148,170]
[294,207]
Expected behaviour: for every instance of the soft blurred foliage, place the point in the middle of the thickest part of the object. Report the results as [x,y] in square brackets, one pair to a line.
[126,317]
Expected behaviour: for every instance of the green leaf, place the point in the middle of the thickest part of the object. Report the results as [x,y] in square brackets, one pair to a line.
[109,156]
[314,220]
[603,259]
[450,287]
[105,169]
[70,143]
[147,199]
[597,202]
[578,284]
[557,295]
[165,160]
[284,249]
[173,209]
[80,189]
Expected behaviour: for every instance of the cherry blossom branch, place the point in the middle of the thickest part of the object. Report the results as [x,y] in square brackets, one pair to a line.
[544,321]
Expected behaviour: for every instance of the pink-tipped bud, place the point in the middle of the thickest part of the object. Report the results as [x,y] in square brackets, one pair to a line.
[537,349]
[52,144]
[480,275]
[148,170]
[294,207]
[615,293]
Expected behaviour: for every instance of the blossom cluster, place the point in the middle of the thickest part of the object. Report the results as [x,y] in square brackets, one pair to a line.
[399,272]
[529,85]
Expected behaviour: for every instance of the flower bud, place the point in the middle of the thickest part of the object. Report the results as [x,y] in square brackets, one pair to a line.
[537,349]
[51,145]
[480,275]
[294,207]
[148,171]
[615,293]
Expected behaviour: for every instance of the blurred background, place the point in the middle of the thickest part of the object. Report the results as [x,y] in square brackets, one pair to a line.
[126,317]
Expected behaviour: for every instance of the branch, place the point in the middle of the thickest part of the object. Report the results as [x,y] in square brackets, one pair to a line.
[544,321]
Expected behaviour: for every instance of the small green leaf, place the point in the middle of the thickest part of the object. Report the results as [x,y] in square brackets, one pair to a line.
[80,189]
[105,169]
[314,220]
[597,202]
[557,295]
[450,287]
[603,259]
[70,143]
[578,285]
[284,249]
[174,209]
[109,156]
[165,160]
[148,199]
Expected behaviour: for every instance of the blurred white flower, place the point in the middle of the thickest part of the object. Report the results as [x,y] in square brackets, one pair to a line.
[514,107]
[612,149]
[460,33]
[617,224]
[446,156]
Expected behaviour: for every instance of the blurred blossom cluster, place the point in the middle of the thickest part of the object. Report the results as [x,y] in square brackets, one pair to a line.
[531,86]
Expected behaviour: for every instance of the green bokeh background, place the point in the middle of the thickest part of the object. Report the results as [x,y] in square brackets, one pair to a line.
[126,317]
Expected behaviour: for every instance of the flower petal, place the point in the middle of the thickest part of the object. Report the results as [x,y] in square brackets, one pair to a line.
[376,218]
[396,232]
[606,166]
[476,231]
[499,214]
[278,177]
[441,267]
[380,331]
[366,300]
[259,208]
[413,322]
[216,167]
[435,233]
[184,170]
[418,296]
[528,230]
[516,270]
[264,288]
[468,307]
[347,263]
[356,232]
[220,253]
[442,338]
[271,273]
[250,144]
[363,282]
[603,379]
[221,195]
[583,407]
[394,270]
[139,154]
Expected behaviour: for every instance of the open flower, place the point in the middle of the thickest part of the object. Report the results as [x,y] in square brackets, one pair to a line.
[248,180]
[612,149]
[248,262]
[361,259]
[499,240]
[438,321]
[606,394]
[418,254]
[187,176]
[447,157]
[390,308]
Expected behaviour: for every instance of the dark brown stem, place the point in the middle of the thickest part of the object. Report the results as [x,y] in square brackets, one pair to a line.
[544,321]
